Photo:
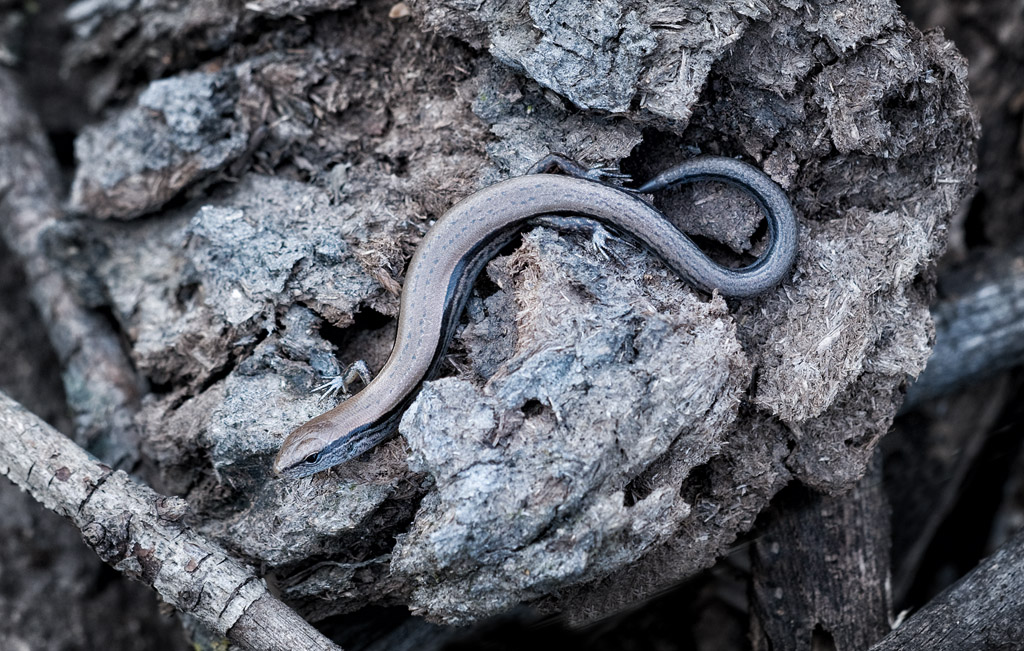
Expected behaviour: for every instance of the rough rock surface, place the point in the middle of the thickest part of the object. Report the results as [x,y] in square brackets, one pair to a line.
[117,39]
[180,131]
[579,441]
[603,429]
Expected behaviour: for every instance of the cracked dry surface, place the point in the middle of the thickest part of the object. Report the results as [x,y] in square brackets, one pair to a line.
[602,430]
[598,389]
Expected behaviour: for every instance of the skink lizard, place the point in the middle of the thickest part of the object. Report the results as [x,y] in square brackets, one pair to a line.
[442,271]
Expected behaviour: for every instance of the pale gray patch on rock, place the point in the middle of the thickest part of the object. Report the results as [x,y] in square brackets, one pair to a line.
[529,126]
[692,36]
[608,55]
[264,243]
[845,24]
[181,130]
[590,53]
[532,469]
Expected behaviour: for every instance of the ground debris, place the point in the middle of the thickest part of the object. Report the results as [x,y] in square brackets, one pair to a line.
[604,430]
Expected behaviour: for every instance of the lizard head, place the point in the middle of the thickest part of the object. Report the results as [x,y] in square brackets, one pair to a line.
[328,440]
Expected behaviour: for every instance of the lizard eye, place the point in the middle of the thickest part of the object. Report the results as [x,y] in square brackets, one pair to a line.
[312,459]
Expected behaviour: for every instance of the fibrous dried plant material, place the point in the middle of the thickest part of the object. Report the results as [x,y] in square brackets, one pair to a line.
[589,401]
[834,110]
[605,430]
[989,34]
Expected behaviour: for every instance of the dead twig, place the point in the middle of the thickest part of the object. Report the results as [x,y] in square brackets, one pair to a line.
[984,610]
[107,389]
[140,533]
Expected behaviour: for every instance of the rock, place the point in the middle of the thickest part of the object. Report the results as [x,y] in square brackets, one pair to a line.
[182,130]
[603,430]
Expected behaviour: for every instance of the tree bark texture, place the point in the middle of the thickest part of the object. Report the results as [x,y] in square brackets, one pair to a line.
[821,569]
[979,323]
[244,212]
[984,610]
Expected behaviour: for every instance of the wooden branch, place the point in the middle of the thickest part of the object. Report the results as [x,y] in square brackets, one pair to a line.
[140,533]
[927,462]
[979,327]
[103,388]
[984,610]
[821,569]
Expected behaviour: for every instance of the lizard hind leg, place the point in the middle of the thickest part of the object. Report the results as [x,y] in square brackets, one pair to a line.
[607,175]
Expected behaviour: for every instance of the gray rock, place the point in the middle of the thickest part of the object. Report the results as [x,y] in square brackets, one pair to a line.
[182,130]
[537,470]
[603,430]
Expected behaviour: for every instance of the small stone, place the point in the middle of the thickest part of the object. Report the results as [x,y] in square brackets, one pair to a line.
[399,10]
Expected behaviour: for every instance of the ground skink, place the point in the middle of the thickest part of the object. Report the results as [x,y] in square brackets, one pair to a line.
[455,250]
